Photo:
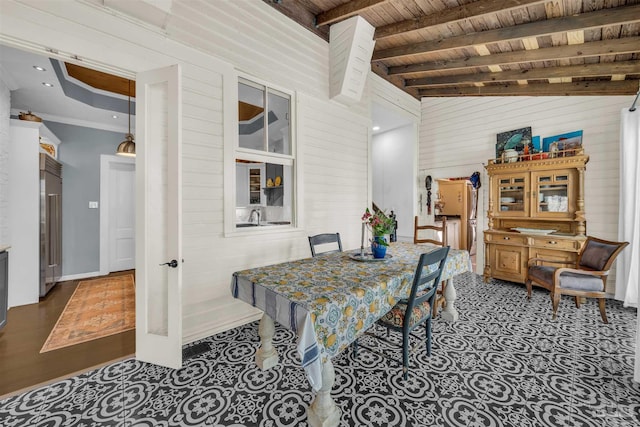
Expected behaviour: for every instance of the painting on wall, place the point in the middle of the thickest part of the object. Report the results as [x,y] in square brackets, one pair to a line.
[562,142]
[515,139]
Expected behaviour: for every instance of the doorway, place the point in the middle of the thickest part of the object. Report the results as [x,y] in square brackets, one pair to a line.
[117,214]
[86,132]
[394,148]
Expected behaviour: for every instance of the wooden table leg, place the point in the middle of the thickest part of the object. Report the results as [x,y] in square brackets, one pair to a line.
[323,411]
[266,355]
[450,314]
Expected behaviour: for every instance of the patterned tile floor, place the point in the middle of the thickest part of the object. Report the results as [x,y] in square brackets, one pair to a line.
[504,363]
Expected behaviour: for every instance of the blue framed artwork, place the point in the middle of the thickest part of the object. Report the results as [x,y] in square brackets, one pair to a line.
[536,143]
[565,141]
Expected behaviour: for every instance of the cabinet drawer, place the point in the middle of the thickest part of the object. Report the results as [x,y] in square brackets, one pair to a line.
[549,242]
[508,262]
[506,239]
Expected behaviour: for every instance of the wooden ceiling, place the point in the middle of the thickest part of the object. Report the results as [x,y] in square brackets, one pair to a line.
[493,47]
[103,81]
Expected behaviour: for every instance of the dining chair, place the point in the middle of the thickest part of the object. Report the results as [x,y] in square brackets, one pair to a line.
[408,314]
[587,278]
[332,239]
[440,239]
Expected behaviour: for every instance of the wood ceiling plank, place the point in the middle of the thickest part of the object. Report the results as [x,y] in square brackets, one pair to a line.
[598,48]
[559,73]
[476,9]
[382,71]
[614,16]
[584,88]
[346,10]
[300,14]
[102,81]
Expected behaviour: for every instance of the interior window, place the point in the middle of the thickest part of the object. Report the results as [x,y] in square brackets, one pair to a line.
[264,163]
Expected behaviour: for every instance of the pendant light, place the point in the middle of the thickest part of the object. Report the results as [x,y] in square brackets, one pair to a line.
[127,147]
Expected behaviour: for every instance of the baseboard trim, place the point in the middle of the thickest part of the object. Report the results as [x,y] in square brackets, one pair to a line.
[80,276]
[216,327]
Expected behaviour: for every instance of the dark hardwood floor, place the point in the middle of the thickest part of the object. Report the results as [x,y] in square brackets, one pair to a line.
[22,366]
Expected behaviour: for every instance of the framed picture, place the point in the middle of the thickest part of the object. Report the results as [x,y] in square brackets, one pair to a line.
[565,141]
[513,139]
[537,143]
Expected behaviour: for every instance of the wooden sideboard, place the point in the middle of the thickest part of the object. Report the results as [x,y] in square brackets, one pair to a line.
[535,196]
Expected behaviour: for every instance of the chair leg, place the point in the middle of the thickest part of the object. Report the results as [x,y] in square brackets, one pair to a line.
[529,286]
[434,309]
[555,298]
[405,355]
[577,299]
[354,349]
[603,312]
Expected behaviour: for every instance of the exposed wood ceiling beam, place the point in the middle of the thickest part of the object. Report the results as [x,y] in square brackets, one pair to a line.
[585,70]
[454,14]
[345,11]
[300,14]
[399,82]
[597,48]
[601,18]
[626,87]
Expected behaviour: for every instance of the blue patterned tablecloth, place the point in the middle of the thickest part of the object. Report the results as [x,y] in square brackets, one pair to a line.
[331,299]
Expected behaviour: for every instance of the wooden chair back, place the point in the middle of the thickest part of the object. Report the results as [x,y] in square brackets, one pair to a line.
[442,231]
[598,254]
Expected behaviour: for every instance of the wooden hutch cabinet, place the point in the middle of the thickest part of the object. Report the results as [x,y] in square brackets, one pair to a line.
[536,209]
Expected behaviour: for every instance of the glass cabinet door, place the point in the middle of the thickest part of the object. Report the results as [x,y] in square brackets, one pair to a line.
[512,195]
[553,193]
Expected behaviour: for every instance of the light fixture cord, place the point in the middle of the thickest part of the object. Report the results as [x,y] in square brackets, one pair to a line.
[129,105]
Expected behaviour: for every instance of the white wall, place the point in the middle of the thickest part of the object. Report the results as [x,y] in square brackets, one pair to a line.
[5,106]
[212,41]
[458,136]
[393,158]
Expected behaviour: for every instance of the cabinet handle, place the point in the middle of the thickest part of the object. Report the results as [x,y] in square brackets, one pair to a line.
[507,238]
[552,242]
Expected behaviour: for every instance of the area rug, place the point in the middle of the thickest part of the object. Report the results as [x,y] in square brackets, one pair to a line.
[98,308]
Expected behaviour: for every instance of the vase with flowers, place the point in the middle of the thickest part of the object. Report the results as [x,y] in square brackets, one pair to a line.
[381,226]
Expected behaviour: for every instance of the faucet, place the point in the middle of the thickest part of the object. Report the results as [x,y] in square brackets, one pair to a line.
[257,212]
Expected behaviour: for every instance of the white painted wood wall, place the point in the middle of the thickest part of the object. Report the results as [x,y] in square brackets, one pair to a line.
[5,107]
[458,136]
[212,40]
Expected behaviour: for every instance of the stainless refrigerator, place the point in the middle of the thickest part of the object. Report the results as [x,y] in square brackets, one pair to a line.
[50,223]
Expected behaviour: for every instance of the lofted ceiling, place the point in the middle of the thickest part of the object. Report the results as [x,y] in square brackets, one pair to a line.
[492,47]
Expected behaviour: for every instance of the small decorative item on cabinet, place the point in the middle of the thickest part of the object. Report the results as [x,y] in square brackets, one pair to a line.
[510,155]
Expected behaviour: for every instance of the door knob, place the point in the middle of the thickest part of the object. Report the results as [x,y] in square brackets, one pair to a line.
[173,263]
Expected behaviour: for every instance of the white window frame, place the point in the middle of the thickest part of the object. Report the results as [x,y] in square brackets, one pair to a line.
[233,151]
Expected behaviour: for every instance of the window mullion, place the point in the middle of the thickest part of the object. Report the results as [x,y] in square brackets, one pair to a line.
[266,119]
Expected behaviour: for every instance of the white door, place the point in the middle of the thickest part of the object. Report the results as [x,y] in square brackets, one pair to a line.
[158,217]
[122,198]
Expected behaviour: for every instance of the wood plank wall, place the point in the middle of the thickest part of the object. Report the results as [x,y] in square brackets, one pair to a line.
[458,135]
[212,41]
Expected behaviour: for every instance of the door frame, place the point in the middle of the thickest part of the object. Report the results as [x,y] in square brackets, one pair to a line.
[106,163]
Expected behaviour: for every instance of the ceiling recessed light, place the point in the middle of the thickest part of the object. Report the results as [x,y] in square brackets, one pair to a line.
[375,128]
[114,116]
[39,68]
[47,84]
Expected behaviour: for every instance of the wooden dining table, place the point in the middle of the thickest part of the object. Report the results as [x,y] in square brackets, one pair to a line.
[330,300]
